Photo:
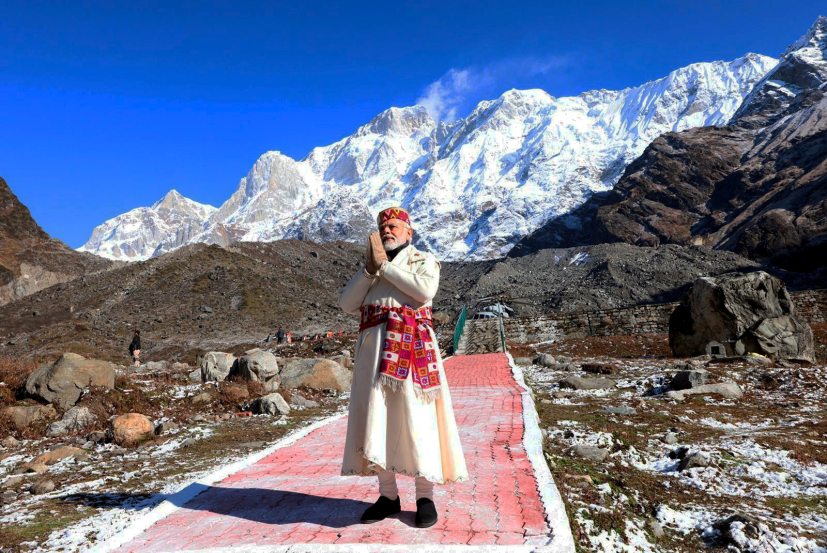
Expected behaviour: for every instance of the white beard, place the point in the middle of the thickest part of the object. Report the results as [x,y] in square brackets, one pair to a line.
[391,244]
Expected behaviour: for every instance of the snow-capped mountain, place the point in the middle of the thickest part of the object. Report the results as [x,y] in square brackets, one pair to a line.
[803,66]
[755,187]
[144,232]
[475,186]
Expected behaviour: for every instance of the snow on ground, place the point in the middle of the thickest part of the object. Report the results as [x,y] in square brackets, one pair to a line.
[685,521]
[753,445]
[740,467]
[182,391]
[609,540]
[125,509]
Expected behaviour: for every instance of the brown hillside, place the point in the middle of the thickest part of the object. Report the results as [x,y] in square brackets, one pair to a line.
[30,260]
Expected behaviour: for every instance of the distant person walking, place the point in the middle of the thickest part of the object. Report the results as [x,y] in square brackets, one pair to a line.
[280,335]
[135,348]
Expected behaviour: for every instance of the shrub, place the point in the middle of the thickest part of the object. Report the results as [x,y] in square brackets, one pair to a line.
[13,373]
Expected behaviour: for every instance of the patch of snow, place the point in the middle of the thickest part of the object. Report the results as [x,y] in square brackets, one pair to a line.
[603,540]
[12,460]
[685,521]
[579,259]
[182,391]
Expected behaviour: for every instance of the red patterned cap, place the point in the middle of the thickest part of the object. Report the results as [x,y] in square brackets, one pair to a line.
[392,213]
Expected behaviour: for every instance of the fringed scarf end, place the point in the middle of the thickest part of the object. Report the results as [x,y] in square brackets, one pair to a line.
[429,395]
[395,385]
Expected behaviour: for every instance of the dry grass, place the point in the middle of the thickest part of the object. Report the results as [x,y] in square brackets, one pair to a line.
[621,346]
[124,398]
[13,373]
[517,349]
[7,427]
[14,537]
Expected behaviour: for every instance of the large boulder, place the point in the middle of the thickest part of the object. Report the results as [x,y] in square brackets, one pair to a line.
[294,370]
[741,313]
[131,429]
[579,383]
[316,374]
[328,375]
[23,416]
[59,453]
[271,404]
[257,365]
[63,382]
[76,419]
[215,365]
[726,389]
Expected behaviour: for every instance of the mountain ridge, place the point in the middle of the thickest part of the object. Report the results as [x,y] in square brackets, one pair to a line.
[475,186]
[755,186]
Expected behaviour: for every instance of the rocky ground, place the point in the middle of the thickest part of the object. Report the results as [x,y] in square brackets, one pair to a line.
[641,471]
[64,489]
[638,470]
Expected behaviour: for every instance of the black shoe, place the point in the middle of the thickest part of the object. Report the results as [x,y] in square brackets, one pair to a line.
[425,513]
[380,510]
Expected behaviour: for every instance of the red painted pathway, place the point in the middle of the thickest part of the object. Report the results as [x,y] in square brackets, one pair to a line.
[296,495]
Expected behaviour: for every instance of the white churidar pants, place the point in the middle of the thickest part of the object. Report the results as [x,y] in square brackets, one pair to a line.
[387,486]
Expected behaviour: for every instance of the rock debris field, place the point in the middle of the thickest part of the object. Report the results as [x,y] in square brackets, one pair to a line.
[737,458]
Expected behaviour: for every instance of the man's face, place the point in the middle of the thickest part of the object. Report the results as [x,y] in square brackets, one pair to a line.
[394,233]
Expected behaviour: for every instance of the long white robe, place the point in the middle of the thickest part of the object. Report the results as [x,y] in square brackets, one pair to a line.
[395,430]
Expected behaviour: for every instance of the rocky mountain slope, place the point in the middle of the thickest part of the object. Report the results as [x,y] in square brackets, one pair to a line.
[475,186]
[600,277]
[757,186]
[196,297]
[30,259]
[208,297]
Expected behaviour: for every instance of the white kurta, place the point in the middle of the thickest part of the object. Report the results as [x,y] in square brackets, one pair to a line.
[395,430]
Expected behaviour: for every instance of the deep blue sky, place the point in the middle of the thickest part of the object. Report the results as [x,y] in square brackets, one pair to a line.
[105,106]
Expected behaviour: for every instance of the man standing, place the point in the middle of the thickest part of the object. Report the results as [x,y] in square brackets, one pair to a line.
[135,348]
[400,418]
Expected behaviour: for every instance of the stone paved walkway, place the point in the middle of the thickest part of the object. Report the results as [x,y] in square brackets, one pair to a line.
[296,495]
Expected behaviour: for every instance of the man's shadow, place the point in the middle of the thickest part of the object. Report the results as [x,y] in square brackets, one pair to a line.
[254,504]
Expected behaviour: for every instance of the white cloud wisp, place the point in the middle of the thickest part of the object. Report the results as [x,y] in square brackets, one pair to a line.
[446,97]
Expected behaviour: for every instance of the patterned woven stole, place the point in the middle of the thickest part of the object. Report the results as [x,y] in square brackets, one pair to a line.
[408,347]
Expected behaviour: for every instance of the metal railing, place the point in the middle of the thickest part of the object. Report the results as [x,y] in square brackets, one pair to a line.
[460,327]
[502,333]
